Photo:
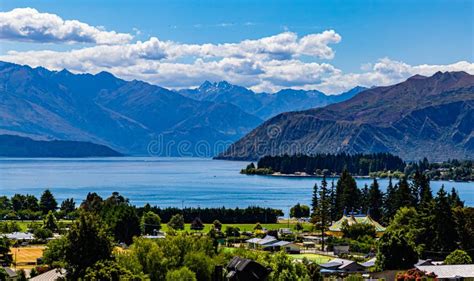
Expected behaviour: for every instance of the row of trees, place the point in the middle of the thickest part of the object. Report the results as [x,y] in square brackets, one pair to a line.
[325,164]
[345,196]
[29,207]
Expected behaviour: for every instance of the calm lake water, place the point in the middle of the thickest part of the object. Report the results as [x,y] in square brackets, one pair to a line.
[168,182]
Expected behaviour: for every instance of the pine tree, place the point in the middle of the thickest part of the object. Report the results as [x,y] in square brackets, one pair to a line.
[404,194]
[47,202]
[333,202]
[350,196]
[314,200]
[444,224]
[390,202]
[324,209]
[364,199]
[454,199]
[375,201]
[421,187]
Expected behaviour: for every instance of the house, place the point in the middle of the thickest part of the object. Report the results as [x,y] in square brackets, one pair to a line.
[341,266]
[463,272]
[352,218]
[12,275]
[51,275]
[341,249]
[270,243]
[289,247]
[240,269]
[258,243]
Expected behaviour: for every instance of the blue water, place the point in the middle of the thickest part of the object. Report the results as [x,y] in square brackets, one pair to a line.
[167,182]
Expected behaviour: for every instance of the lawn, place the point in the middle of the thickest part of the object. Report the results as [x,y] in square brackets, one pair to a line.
[319,259]
[24,224]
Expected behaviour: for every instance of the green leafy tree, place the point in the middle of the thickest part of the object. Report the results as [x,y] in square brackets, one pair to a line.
[299,211]
[458,257]
[110,271]
[5,257]
[464,218]
[176,222]
[92,203]
[55,253]
[390,202]
[87,243]
[358,230]
[47,202]
[395,248]
[42,233]
[201,264]
[217,225]
[150,223]
[68,206]
[181,274]
[285,269]
[123,221]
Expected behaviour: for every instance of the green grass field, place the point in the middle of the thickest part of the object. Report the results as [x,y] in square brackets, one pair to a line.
[319,259]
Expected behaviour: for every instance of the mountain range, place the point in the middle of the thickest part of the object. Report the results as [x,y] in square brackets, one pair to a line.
[134,117]
[429,117]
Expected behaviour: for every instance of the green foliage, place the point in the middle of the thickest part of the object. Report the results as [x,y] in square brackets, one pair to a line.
[299,211]
[9,227]
[122,219]
[92,203]
[231,231]
[217,225]
[357,230]
[395,248]
[458,257]
[284,269]
[181,274]
[55,253]
[110,271]
[50,222]
[445,238]
[347,193]
[87,243]
[201,264]
[47,202]
[5,257]
[42,233]
[197,224]
[375,201]
[68,206]
[176,222]
[150,222]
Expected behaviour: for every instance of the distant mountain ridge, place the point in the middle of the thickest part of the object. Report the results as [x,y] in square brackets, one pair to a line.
[135,117]
[16,146]
[265,105]
[422,116]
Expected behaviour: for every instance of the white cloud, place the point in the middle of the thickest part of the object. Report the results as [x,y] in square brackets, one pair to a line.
[27,24]
[265,64]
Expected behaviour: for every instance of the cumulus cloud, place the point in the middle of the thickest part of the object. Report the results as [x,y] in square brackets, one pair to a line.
[265,64]
[27,24]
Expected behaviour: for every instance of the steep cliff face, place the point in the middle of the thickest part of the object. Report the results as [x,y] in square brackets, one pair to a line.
[421,117]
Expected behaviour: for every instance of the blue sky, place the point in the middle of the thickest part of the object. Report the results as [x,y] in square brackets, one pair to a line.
[398,34]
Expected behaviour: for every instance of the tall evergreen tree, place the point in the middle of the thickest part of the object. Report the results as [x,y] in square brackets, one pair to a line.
[314,199]
[324,209]
[454,199]
[421,188]
[350,194]
[364,199]
[444,224]
[390,202]
[375,201]
[48,202]
[333,202]
[404,194]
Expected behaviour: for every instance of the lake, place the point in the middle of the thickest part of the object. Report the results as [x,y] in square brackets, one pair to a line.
[168,182]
